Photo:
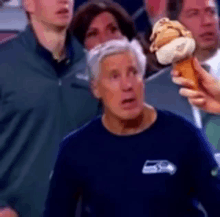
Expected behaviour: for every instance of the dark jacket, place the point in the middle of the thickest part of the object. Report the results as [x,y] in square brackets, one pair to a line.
[38,107]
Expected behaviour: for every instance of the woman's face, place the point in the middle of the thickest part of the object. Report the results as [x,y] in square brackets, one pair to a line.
[104,27]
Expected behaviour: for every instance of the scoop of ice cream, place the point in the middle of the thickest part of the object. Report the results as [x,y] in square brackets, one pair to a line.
[171,41]
[177,50]
[164,31]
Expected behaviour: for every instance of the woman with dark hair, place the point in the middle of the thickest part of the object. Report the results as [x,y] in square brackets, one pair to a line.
[98,21]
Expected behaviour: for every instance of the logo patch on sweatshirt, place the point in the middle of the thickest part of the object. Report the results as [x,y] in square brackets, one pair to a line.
[159,166]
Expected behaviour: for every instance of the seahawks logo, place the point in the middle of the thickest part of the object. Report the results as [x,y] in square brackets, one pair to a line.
[159,166]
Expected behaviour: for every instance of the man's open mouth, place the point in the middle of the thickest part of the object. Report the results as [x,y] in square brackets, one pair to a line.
[127,101]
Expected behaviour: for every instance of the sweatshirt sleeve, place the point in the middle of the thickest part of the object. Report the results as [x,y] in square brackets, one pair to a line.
[64,188]
[206,174]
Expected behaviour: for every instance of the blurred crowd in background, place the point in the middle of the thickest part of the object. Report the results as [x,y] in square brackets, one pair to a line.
[143,13]
[34,107]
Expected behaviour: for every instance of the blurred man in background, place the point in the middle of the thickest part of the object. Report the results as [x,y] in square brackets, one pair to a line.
[201,18]
[44,95]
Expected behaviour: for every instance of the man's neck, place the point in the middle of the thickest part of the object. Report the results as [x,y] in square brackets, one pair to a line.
[203,55]
[50,38]
[130,127]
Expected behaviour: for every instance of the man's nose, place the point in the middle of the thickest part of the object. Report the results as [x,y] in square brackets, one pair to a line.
[126,84]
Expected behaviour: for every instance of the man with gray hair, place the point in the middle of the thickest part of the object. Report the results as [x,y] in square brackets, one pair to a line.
[126,161]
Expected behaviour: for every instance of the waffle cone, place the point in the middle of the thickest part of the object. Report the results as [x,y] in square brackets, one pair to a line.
[187,70]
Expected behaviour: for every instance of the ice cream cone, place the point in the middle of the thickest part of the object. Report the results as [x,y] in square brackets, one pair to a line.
[174,44]
[187,70]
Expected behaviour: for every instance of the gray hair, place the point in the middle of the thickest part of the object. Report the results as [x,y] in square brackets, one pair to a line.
[97,54]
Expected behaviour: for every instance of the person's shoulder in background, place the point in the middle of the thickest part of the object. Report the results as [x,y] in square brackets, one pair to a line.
[161,74]
[12,49]
[12,52]
[9,45]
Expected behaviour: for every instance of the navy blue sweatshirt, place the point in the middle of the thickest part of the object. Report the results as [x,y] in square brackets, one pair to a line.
[158,172]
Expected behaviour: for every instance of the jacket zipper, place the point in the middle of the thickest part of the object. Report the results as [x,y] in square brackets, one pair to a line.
[59,82]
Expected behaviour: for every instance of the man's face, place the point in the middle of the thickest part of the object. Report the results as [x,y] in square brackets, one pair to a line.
[120,86]
[201,18]
[57,13]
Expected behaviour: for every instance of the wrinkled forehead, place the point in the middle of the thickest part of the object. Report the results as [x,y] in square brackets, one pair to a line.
[118,60]
[119,57]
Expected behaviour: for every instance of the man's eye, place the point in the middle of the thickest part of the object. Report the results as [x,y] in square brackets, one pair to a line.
[114,76]
[211,11]
[192,14]
[134,71]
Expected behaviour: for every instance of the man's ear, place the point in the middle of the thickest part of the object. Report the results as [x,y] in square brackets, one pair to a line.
[95,88]
[29,5]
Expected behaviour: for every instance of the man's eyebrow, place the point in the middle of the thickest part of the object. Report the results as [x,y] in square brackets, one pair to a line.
[211,7]
[113,71]
[131,68]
